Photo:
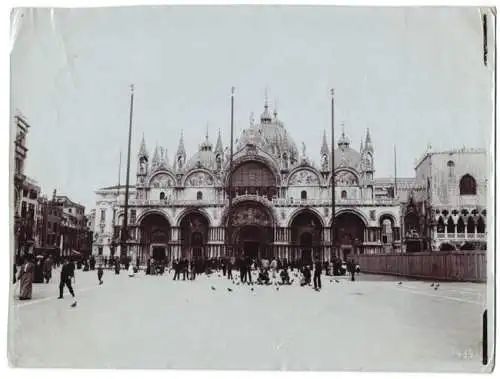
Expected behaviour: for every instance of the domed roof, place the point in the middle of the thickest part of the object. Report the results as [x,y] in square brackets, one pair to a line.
[204,157]
[270,135]
[345,156]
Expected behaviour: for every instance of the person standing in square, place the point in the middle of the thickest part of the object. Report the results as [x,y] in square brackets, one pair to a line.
[317,275]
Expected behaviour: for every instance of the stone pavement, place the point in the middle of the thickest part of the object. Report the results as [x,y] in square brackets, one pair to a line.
[153,322]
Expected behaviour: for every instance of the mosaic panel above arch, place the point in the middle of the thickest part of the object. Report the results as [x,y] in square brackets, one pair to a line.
[162,181]
[199,179]
[250,214]
[346,178]
[303,178]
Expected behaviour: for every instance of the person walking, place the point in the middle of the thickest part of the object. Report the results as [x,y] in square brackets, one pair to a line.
[317,275]
[243,271]
[274,268]
[177,271]
[351,267]
[229,268]
[117,266]
[67,275]
[248,269]
[185,268]
[100,268]
[224,267]
[47,269]
[26,277]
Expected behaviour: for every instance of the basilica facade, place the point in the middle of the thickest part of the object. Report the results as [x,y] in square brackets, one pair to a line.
[281,200]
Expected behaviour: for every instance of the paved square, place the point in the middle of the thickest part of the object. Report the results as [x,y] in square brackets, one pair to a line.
[154,322]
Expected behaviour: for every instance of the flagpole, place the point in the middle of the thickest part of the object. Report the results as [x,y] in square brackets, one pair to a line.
[395,174]
[333,234]
[117,198]
[229,237]
[123,249]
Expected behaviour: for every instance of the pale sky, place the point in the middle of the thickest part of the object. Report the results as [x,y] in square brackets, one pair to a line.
[413,76]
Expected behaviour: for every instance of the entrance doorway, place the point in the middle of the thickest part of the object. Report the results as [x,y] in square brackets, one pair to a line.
[345,253]
[159,253]
[306,242]
[251,249]
[197,244]
[250,242]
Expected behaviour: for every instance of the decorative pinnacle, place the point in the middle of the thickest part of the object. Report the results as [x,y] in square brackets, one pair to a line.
[332,92]
[265,99]
[233,89]
[132,88]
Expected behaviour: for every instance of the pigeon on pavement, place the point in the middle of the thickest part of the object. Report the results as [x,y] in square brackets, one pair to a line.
[400,283]
[230,289]
[213,288]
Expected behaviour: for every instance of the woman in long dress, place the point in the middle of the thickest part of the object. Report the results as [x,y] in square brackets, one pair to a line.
[26,277]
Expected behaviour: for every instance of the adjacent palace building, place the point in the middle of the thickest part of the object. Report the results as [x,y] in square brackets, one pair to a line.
[282,201]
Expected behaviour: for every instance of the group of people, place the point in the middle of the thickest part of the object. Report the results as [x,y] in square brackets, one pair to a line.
[39,269]
[30,269]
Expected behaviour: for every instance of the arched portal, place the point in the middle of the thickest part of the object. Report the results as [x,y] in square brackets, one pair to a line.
[306,236]
[194,235]
[349,233]
[252,230]
[155,237]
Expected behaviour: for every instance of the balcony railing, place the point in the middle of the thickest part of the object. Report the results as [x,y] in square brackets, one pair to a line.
[275,202]
[461,236]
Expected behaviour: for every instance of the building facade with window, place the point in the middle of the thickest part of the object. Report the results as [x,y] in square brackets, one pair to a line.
[27,215]
[74,234]
[281,200]
[23,239]
[49,223]
[448,203]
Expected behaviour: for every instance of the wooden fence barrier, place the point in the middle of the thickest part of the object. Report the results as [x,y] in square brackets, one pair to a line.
[467,266]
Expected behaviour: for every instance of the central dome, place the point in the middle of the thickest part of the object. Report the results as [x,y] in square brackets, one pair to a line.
[346,156]
[271,136]
[205,157]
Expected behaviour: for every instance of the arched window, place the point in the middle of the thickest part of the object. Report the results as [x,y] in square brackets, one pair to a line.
[162,195]
[460,225]
[451,168]
[481,227]
[303,195]
[440,225]
[387,231]
[370,191]
[343,194]
[451,225]
[470,225]
[467,185]
[199,195]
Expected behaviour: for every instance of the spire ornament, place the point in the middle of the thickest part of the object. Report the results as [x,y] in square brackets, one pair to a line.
[143,152]
[368,142]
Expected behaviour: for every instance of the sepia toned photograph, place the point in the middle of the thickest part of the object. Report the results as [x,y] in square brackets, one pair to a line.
[297,188]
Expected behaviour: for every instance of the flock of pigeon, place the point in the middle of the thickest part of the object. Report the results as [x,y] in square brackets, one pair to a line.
[277,284]
[434,285]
